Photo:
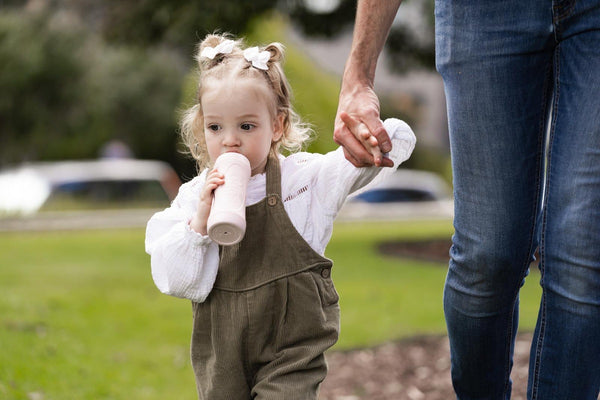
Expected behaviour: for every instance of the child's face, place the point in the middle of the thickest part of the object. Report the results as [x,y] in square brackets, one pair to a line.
[237,119]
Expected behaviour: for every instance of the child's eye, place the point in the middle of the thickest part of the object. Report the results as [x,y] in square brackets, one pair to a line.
[214,127]
[247,126]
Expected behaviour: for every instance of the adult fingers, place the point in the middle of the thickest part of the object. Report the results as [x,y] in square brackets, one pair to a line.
[376,128]
[354,150]
[363,134]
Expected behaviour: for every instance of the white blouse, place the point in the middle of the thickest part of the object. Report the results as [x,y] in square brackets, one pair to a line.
[314,187]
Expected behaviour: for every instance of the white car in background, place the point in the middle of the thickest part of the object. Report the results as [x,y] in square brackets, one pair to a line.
[406,194]
[84,194]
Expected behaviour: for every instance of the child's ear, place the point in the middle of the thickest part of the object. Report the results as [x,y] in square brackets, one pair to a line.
[278,127]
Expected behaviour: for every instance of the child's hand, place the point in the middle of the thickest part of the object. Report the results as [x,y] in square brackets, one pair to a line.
[362,133]
[214,179]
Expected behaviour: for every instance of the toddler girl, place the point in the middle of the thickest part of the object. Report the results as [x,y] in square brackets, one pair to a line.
[265,309]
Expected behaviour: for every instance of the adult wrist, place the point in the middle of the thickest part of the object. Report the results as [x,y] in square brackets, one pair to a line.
[360,74]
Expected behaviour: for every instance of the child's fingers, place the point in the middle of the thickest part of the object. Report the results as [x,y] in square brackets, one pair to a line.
[214,179]
[374,149]
[210,186]
[371,144]
[215,176]
[372,140]
[215,172]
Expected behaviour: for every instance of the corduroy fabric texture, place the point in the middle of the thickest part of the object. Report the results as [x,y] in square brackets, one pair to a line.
[272,313]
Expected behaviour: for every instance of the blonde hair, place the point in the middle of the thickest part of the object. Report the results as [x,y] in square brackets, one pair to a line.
[234,65]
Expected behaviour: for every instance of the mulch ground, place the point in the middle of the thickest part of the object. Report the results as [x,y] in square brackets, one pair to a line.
[412,369]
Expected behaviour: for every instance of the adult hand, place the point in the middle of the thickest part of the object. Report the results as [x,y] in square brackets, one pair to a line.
[363,134]
[360,106]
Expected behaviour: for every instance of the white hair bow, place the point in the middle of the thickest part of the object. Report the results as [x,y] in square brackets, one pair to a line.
[225,47]
[258,59]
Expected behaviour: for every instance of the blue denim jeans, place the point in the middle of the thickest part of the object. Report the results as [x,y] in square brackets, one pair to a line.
[522,82]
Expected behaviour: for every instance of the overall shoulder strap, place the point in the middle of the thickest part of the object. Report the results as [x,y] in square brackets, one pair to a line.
[273,175]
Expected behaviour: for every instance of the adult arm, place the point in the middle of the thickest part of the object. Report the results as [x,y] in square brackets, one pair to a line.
[357,97]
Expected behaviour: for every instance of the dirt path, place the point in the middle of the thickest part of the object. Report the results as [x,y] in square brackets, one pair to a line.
[415,369]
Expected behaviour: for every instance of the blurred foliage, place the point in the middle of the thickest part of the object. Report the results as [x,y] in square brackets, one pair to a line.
[13,3]
[64,92]
[408,53]
[325,24]
[177,23]
[410,44]
[135,94]
[180,24]
[76,74]
[40,80]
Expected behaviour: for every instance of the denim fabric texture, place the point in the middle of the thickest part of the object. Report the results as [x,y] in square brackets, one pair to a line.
[522,83]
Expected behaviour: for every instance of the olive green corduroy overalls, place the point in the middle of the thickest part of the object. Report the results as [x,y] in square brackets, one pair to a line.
[273,311]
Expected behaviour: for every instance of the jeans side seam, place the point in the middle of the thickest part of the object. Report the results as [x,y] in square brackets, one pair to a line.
[538,350]
[542,327]
[539,192]
[508,347]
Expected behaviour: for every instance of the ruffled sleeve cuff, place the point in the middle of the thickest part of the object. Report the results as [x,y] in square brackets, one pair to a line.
[195,238]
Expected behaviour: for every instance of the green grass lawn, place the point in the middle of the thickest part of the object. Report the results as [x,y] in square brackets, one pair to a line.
[81,319]
[384,297]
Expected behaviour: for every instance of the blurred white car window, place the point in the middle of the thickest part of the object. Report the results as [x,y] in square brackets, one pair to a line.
[406,194]
[86,185]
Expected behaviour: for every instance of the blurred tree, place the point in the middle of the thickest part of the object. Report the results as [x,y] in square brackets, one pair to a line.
[75,74]
[410,44]
[177,23]
[180,24]
[12,3]
[325,22]
[40,77]
[63,93]
[133,96]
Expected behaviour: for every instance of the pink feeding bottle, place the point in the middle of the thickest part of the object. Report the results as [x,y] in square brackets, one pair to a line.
[227,220]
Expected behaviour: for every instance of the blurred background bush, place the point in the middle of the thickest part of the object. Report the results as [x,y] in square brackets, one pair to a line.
[77,74]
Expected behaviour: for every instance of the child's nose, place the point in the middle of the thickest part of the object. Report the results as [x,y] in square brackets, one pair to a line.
[230,139]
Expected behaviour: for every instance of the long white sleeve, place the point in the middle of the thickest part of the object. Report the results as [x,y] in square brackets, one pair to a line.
[184,263]
[314,188]
[350,179]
